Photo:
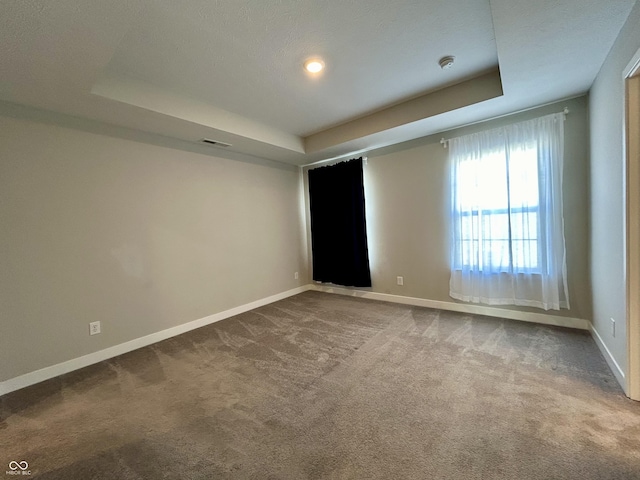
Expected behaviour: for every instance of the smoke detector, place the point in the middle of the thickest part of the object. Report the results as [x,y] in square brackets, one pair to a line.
[446,62]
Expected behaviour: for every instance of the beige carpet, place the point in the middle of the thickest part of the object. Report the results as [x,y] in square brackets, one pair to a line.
[326,386]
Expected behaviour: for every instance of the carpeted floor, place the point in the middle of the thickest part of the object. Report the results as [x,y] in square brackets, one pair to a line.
[327,386]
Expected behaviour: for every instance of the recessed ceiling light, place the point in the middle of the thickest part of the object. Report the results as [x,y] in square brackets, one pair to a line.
[446,62]
[313,65]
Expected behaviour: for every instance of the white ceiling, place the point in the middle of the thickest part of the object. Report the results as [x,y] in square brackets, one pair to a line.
[232,70]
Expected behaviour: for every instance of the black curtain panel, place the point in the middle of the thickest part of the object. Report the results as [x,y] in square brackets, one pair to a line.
[338,225]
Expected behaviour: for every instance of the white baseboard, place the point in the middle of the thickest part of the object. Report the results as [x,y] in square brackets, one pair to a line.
[606,353]
[546,319]
[46,373]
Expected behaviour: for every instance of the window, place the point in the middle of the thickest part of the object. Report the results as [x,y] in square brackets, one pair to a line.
[498,202]
[507,224]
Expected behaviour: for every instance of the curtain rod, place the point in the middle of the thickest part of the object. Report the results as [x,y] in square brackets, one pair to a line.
[336,161]
[445,141]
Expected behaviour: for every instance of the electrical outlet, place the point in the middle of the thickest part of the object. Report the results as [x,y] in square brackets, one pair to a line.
[400,280]
[295,276]
[94,328]
[613,327]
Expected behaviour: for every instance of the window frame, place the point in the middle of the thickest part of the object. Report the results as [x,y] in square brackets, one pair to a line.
[508,210]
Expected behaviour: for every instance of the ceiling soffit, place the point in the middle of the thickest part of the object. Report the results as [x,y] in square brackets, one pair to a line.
[232,71]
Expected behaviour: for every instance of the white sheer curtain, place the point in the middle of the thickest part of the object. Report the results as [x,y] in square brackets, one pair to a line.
[507,221]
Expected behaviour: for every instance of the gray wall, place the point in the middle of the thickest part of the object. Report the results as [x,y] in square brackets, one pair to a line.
[138,236]
[607,190]
[407,201]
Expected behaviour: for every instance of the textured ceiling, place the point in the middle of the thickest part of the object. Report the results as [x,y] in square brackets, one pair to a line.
[231,70]
[248,59]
